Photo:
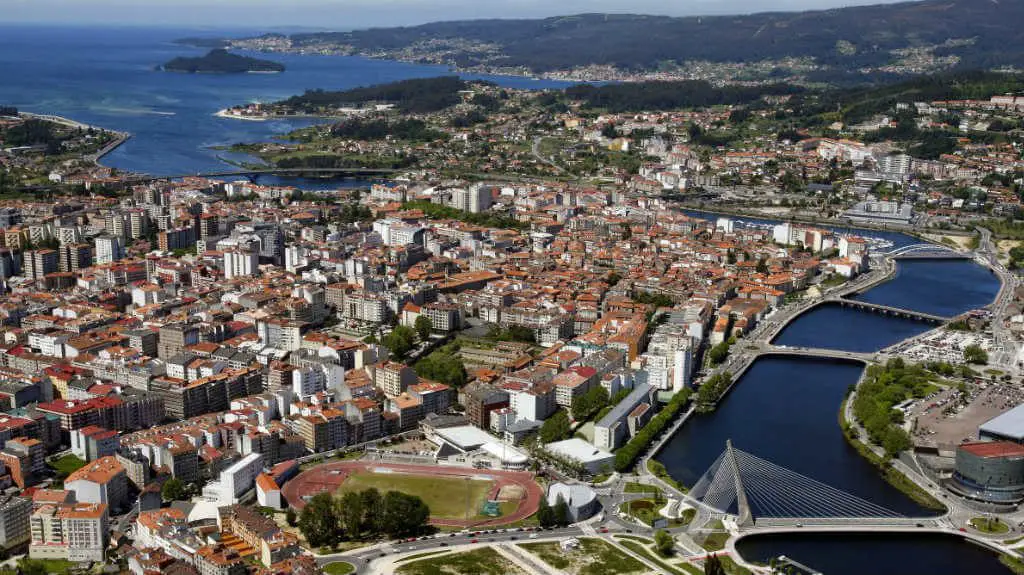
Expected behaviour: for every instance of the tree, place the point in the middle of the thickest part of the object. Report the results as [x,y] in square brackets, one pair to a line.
[351,512]
[718,353]
[400,341]
[713,566]
[373,510]
[545,515]
[560,513]
[423,326]
[975,354]
[555,427]
[319,521]
[895,441]
[663,542]
[762,266]
[589,403]
[173,490]
[444,366]
[290,517]
[404,514]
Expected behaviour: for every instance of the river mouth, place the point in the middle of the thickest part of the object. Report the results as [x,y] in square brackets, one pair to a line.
[875,553]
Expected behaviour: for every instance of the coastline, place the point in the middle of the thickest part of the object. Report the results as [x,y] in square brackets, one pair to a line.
[119,137]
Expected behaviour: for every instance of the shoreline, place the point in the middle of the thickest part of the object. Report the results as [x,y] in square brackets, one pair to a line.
[119,137]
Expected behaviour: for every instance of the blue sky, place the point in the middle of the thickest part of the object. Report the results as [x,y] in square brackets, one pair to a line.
[347,14]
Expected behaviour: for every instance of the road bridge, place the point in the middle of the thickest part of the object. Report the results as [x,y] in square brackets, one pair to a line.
[886,309]
[818,353]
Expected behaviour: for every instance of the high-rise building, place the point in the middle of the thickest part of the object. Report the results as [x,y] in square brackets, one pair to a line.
[38,263]
[476,199]
[109,249]
[239,263]
[14,521]
[75,257]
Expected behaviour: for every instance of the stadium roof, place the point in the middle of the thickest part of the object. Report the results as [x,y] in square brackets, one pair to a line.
[579,450]
[465,437]
[1009,424]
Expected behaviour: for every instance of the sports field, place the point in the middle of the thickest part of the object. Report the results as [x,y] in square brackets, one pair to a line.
[447,497]
[445,489]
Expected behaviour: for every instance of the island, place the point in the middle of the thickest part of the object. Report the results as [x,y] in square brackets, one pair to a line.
[220,61]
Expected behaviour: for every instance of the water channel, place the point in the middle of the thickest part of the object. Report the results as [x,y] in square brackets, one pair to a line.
[785,410]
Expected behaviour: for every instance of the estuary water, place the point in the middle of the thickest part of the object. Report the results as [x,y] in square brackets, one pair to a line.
[105,76]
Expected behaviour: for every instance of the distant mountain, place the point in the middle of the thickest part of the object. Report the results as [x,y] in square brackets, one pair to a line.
[897,39]
[220,61]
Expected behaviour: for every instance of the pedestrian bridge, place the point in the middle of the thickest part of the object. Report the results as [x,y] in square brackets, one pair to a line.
[763,495]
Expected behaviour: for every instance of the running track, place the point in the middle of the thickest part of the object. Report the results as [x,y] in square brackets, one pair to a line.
[329,477]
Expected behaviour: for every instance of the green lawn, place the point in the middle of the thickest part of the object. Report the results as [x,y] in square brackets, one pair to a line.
[338,568]
[990,525]
[645,510]
[715,541]
[66,465]
[638,539]
[447,497]
[634,487]
[648,555]
[691,569]
[484,561]
[594,557]
[50,565]
[730,566]
[421,555]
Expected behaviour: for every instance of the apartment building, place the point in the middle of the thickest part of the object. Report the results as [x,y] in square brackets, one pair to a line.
[75,532]
[101,481]
[14,521]
[393,378]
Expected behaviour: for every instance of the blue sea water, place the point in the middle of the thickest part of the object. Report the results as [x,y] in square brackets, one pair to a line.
[106,76]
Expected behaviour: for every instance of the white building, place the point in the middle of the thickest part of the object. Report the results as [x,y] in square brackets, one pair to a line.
[235,480]
[108,249]
[238,263]
[476,199]
[595,460]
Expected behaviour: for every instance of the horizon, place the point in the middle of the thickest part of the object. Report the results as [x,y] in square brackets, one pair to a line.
[338,14]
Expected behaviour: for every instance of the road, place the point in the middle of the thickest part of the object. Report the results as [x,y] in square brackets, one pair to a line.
[535,150]
[1006,356]
[364,558]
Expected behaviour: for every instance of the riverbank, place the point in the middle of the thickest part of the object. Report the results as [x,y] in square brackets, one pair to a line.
[907,230]
[899,480]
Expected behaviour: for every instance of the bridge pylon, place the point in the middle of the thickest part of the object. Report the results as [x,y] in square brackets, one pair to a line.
[744,516]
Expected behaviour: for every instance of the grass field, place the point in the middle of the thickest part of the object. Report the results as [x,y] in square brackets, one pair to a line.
[644,552]
[67,465]
[447,497]
[485,561]
[990,525]
[338,568]
[594,557]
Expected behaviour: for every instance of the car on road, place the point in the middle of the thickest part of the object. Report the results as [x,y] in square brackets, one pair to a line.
[534,536]
[474,541]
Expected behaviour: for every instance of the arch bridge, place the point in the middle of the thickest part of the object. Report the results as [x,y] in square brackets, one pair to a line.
[927,251]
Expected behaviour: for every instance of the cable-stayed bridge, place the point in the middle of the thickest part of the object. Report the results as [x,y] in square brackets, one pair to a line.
[759,493]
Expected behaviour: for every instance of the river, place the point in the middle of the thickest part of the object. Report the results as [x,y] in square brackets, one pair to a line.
[785,410]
